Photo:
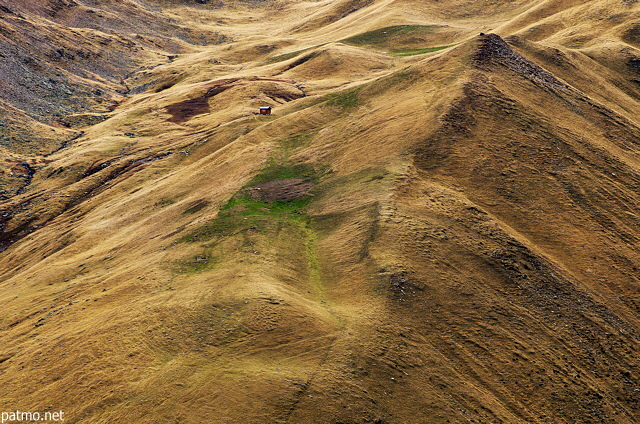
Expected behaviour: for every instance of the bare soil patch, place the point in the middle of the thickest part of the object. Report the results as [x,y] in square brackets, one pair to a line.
[282,190]
[183,111]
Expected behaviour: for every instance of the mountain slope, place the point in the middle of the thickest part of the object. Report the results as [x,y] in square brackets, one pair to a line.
[448,236]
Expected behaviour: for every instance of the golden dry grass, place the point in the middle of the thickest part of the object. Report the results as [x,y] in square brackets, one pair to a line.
[468,252]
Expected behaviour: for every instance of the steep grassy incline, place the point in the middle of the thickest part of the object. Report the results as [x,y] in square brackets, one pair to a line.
[444,237]
[65,65]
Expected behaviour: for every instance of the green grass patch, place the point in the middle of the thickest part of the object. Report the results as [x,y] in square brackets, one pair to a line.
[243,206]
[243,213]
[394,37]
[219,227]
[413,52]
[388,35]
[277,170]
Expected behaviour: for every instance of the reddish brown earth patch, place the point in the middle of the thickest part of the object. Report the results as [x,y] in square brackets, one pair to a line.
[183,111]
[281,190]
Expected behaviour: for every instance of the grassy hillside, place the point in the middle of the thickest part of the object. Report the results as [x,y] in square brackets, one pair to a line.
[448,236]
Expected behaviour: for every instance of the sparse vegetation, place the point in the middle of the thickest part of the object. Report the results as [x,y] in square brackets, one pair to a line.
[194,265]
[164,202]
[399,40]
[383,36]
[218,227]
[394,81]
[413,52]
[290,55]
[345,100]
[196,207]
[295,141]
[286,56]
